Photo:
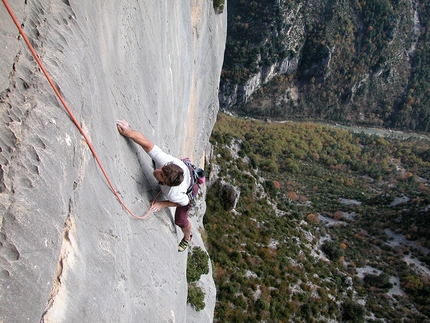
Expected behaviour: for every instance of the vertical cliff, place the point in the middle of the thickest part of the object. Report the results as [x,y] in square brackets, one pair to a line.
[68,250]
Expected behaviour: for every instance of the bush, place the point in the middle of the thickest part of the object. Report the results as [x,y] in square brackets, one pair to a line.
[353,312]
[380,281]
[218,5]
[197,264]
[196,297]
[333,250]
[270,188]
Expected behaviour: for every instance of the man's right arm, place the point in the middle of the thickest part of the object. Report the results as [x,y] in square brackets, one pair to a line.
[125,130]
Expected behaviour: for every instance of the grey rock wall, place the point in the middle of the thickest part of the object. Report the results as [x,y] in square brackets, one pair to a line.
[68,251]
[231,93]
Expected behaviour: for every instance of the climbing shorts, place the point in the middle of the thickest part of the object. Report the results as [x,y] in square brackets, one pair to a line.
[181,216]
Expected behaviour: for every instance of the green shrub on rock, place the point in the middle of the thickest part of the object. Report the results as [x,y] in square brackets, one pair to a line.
[197,264]
[196,297]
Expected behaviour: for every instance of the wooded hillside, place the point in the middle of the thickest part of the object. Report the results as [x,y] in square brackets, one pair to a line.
[359,62]
[307,223]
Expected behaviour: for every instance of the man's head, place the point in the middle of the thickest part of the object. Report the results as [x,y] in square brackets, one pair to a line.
[170,174]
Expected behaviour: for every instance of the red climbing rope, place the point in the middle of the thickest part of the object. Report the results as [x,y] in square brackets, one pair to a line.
[36,57]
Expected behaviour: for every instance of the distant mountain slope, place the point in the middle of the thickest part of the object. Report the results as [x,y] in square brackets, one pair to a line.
[356,62]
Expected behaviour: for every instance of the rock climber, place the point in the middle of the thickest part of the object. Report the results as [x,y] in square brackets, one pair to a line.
[173,176]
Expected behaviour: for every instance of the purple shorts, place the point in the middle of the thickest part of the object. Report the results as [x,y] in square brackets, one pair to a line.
[181,214]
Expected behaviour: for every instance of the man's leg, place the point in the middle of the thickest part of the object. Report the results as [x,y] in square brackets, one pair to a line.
[181,220]
[187,232]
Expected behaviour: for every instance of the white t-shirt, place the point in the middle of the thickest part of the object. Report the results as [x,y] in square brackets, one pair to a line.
[175,194]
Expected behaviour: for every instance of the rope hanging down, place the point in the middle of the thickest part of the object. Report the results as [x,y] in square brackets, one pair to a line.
[75,121]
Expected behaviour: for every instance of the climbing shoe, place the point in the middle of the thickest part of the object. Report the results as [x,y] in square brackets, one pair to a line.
[184,244]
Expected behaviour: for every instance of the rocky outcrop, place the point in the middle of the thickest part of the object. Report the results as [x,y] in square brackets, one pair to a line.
[227,193]
[231,94]
[68,250]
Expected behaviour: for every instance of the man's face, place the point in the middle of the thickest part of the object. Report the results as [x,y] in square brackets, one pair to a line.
[159,175]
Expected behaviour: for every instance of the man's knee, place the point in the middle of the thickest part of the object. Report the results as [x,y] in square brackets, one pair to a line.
[181,216]
[182,223]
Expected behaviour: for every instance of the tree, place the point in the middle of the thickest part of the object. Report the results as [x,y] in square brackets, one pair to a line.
[353,312]
[380,281]
[333,250]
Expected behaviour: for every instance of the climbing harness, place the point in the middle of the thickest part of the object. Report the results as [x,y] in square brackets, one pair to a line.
[74,120]
[197,177]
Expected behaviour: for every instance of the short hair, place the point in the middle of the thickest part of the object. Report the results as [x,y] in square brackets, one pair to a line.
[174,174]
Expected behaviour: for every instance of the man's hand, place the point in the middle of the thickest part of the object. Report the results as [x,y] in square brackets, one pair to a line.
[123,128]
[159,205]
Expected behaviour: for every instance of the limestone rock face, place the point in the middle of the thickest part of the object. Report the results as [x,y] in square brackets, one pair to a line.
[69,252]
[231,93]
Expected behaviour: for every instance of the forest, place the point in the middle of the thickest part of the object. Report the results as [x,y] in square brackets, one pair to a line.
[303,224]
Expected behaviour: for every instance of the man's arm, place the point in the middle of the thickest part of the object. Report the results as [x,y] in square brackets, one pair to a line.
[159,205]
[125,130]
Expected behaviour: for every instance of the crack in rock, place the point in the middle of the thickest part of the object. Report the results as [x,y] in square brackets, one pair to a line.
[55,305]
